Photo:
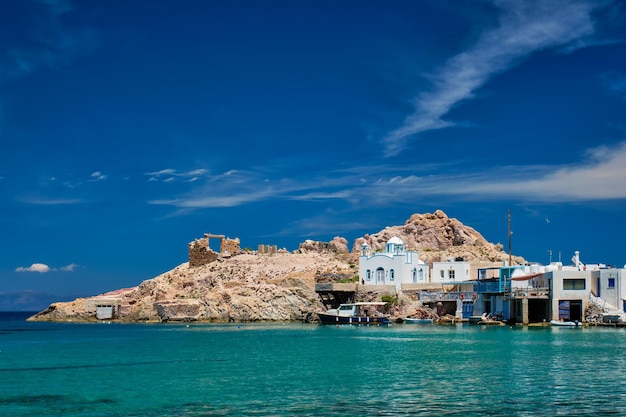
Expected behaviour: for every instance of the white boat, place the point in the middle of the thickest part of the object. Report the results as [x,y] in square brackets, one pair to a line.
[487,319]
[410,320]
[355,313]
[566,323]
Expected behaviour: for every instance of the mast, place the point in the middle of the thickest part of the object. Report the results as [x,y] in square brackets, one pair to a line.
[508,215]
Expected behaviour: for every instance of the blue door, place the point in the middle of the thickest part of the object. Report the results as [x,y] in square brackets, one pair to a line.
[468,309]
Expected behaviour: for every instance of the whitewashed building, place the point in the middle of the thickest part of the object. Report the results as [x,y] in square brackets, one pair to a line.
[571,290]
[451,272]
[395,266]
[612,288]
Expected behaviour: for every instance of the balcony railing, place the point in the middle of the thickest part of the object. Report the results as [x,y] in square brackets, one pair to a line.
[446,296]
[531,292]
[487,287]
[433,296]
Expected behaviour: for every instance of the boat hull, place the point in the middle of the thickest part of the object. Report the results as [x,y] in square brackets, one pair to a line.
[565,323]
[418,321]
[333,319]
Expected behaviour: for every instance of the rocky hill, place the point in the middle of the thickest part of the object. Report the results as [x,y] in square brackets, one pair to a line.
[249,286]
[437,237]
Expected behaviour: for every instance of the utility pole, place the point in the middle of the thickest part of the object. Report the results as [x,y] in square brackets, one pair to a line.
[509,234]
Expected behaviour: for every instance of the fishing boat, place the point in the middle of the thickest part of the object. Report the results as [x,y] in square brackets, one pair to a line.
[355,313]
[411,320]
[566,323]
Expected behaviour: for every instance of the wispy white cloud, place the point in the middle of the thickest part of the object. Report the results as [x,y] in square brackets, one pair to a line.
[43,268]
[339,195]
[524,27]
[171,175]
[69,268]
[238,187]
[53,191]
[43,201]
[36,267]
[599,175]
[167,171]
[97,176]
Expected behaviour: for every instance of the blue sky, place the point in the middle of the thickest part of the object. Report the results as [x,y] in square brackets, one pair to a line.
[128,129]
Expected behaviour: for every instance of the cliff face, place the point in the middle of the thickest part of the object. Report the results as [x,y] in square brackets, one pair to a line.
[245,287]
[277,287]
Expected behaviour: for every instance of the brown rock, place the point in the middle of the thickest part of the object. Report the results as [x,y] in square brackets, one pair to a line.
[279,286]
[437,237]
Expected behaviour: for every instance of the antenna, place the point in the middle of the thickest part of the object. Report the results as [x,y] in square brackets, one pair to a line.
[550,252]
[508,215]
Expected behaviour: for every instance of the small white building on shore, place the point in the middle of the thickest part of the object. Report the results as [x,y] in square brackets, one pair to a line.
[452,271]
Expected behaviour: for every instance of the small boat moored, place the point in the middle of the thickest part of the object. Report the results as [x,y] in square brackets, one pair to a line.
[355,313]
[574,323]
[411,320]
[487,319]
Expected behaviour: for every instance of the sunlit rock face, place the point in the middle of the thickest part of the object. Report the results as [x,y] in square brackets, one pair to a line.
[254,286]
[436,237]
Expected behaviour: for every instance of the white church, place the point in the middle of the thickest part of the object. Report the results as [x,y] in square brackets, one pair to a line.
[395,266]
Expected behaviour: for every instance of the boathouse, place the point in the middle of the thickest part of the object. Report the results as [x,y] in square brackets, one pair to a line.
[104,308]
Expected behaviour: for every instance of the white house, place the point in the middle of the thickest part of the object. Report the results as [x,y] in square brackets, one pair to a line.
[450,272]
[611,290]
[575,288]
[571,290]
[394,266]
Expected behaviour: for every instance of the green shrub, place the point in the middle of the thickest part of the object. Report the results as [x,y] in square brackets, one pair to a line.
[389,299]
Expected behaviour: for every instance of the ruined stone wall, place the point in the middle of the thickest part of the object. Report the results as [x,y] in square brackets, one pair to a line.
[313,246]
[229,246]
[200,253]
[267,249]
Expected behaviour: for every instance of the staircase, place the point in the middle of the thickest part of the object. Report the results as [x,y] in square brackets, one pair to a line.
[607,309]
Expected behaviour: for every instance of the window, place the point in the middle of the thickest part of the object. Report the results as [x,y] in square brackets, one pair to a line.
[441,273]
[573,284]
[611,282]
[368,275]
[392,275]
[451,274]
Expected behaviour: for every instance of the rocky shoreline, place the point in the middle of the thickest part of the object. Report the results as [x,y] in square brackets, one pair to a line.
[280,286]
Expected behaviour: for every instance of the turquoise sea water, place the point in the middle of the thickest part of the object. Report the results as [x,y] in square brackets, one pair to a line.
[308,369]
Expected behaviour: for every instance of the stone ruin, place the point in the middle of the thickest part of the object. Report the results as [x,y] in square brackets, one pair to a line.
[200,253]
[267,249]
[337,245]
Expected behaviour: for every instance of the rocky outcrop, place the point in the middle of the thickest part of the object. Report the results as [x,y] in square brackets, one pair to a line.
[249,286]
[245,287]
[337,245]
[437,237]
